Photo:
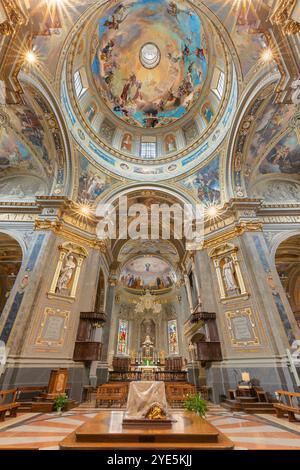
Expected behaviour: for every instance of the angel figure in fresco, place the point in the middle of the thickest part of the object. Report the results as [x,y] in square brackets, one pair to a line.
[228,274]
[199,52]
[281,152]
[66,272]
[172,9]
[113,23]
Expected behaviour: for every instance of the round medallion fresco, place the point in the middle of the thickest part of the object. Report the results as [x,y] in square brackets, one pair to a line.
[150,62]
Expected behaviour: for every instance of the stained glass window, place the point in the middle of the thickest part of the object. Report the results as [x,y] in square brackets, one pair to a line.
[172,337]
[122,337]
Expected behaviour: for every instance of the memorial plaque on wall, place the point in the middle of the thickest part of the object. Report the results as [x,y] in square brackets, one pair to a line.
[53,327]
[242,327]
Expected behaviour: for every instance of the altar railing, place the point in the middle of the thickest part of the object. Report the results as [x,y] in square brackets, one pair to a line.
[159,375]
[125,375]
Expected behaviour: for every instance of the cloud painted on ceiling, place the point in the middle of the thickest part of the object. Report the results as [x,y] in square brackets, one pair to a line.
[134,36]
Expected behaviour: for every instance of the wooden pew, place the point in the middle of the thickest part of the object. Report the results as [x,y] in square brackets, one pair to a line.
[286,404]
[177,392]
[25,395]
[8,403]
[112,394]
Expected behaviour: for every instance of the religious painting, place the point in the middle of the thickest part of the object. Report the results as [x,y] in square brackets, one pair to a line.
[207,111]
[127,143]
[284,157]
[173,337]
[277,191]
[274,118]
[32,129]
[107,130]
[13,153]
[205,183]
[147,83]
[90,111]
[25,187]
[92,182]
[122,337]
[147,272]
[170,143]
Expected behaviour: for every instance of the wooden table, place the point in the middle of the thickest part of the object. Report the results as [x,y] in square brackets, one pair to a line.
[106,432]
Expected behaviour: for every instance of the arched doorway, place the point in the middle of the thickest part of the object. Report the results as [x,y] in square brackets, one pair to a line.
[10,263]
[287,260]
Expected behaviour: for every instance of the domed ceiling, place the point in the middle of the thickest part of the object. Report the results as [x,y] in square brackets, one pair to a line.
[149,75]
[149,87]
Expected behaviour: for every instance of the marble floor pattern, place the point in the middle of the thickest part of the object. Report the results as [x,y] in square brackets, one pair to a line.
[45,431]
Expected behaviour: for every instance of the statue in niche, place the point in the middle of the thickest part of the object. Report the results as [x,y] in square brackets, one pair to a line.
[228,276]
[66,272]
[147,339]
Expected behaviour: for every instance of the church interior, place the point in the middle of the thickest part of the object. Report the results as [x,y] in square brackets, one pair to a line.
[150,224]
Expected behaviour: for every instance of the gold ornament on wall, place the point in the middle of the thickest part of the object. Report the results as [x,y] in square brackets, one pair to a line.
[283,16]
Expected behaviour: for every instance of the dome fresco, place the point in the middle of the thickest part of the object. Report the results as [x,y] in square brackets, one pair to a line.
[153,90]
[149,75]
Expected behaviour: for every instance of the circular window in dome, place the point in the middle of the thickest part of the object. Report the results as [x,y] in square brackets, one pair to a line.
[150,55]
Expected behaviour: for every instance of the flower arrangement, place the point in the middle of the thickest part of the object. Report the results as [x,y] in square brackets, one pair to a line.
[194,402]
[60,402]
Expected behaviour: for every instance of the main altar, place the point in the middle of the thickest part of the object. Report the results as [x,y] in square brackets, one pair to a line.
[126,430]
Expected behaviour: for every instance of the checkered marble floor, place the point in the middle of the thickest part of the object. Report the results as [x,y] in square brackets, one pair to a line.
[45,431]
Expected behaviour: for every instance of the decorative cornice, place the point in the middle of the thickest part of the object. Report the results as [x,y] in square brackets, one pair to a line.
[282,17]
[60,228]
[233,232]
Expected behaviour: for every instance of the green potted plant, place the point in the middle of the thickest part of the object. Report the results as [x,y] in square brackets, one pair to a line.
[60,402]
[194,402]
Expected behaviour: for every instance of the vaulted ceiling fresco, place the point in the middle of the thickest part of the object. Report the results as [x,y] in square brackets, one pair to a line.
[174,83]
[151,74]
[147,272]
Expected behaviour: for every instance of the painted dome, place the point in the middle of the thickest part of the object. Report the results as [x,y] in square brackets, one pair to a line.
[149,87]
[150,62]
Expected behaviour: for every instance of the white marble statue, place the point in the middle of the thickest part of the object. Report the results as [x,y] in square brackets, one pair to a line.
[66,272]
[228,274]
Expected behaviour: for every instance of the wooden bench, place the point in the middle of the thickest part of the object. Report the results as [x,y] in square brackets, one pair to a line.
[111,394]
[26,395]
[8,403]
[176,392]
[287,405]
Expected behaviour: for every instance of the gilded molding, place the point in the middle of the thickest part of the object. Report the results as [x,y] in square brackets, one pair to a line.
[233,232]
[282,16]
[59,228]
